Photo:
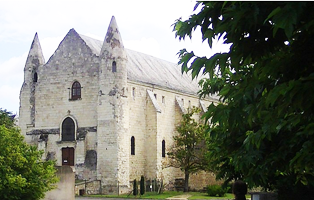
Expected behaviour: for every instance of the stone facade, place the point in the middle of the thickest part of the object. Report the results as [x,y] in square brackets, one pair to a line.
[83,106]
[65,187]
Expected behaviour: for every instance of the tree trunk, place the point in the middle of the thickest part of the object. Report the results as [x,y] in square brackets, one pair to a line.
[186,181]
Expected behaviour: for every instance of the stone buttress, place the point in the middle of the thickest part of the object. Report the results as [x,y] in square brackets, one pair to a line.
[113,114]
[35,60]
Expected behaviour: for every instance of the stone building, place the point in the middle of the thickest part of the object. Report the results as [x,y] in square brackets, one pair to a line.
[109,111]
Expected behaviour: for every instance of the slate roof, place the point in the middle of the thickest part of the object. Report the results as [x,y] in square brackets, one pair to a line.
[151,70]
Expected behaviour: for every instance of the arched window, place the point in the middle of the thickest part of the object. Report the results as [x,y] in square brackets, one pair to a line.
[68,129]
[163,149]
[76,91]
[35,77]
[114,66]
[132,145]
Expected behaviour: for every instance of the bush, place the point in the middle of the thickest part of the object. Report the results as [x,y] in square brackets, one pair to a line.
[142,185]
[214,190]
[135,191]
[227,186]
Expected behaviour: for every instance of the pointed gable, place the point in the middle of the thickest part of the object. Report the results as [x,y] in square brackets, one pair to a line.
[149,69]
[72,45]
[113,41]
[35,56]
[141,67]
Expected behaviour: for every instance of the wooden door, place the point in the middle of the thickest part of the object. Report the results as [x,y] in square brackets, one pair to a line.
[68,156]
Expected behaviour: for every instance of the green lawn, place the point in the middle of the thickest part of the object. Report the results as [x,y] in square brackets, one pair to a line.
[147,195]
[166,194]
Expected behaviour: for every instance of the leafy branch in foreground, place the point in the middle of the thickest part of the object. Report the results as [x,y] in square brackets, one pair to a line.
[23,175]
[263,129]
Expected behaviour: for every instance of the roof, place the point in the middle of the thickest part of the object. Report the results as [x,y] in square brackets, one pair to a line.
[151,70]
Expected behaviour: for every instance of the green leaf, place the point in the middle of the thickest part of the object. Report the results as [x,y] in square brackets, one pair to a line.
[274,12]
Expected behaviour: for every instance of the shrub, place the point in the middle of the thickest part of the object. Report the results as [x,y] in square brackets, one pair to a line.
[227,186]
[142,185]
[214,190]
[135,191]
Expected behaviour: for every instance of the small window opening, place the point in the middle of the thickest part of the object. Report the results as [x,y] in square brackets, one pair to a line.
[163,99]
[133,92]
[163,149]
[114,66]
[189,104]
[132,145]
[35,77]
[76,91]
[183,102]
[155,96]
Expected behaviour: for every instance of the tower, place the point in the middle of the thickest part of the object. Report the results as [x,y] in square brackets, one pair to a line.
[35,60]
[113,113]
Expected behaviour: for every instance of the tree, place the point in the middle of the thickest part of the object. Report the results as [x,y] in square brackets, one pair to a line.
[186,152]
[135,189]
[263,129]
[22,173]
[6,118]
[142,185]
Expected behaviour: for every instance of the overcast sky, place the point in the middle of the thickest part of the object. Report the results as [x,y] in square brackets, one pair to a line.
[145,26]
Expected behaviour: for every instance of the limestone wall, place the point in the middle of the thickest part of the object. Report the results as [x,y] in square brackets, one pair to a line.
[65,187]
[152,128]
[109,112]
[72,61]
[138,115]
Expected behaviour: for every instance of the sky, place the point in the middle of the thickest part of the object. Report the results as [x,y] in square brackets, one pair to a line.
[145,26]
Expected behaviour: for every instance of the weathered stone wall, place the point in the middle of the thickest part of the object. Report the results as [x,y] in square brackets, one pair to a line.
[201,179]
[110,111]
[113,114]
[150,129]
[138,115]
[72,61]
[88,187]
[65,187]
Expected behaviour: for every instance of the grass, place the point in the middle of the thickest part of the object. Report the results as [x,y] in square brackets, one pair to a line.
[200,195]
[147,195]
[166,194]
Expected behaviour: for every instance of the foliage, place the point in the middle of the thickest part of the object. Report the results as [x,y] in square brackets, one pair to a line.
[6,118]
[216,190]
[22,173]
[187,152]
[263,129]
[135,189]
[142,185]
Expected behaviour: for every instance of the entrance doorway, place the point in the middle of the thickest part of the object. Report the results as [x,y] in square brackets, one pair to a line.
[68,156]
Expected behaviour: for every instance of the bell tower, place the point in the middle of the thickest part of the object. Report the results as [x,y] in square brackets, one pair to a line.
[113,114]
[35,60]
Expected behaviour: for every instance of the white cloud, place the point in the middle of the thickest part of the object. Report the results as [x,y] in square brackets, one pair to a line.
[148,46]
[10,98]
[202,48]
[144,26]
[11,79]
[11,71]
[49,45]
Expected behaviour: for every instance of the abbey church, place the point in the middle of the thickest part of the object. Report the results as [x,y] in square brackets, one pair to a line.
[108,111]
